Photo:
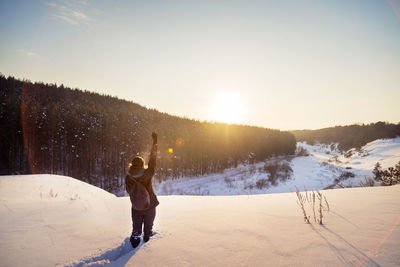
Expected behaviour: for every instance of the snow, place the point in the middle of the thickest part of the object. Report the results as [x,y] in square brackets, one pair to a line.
[384,151]
[49,220]
[317,171]
[59,215]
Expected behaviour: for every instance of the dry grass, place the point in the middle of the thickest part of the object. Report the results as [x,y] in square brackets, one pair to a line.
[313,198]
[319,196]
[368,181]
[311,202]
[300,201]
[53,194]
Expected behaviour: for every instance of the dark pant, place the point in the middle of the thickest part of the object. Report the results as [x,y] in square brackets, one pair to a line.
[143,217]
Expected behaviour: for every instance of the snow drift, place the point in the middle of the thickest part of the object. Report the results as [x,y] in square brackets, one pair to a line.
[49,220]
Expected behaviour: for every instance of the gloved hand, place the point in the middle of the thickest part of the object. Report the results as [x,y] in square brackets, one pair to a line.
[154,136]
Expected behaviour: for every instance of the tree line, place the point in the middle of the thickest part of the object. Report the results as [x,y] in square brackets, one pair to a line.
[356,135]
[47,128]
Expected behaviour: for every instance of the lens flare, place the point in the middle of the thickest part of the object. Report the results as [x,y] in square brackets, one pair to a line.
[27,127]
[372,251]
[180,142]
[395,5]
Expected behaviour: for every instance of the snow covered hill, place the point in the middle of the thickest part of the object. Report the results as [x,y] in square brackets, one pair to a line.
[319,170]
[48,220]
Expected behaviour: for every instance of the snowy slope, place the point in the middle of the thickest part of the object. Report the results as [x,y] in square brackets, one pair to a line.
[384,151]
[50,219]
[316,171]
[53,220]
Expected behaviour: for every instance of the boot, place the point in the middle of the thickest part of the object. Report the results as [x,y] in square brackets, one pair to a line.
[147,237]
[135,241]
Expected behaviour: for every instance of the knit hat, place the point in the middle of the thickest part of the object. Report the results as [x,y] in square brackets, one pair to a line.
[137,162]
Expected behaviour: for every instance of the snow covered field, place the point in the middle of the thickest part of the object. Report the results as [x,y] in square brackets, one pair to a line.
[316,171]
[48,220]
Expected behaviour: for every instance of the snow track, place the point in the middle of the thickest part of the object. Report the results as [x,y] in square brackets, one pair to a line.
[118,256]
[125,250]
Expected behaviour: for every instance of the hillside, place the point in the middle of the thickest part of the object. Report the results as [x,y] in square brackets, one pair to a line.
[58,130]
[54,220]
[350,136]
[325,166]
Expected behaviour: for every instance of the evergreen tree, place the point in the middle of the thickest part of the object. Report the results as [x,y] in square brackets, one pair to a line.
[377,171]
[54,129]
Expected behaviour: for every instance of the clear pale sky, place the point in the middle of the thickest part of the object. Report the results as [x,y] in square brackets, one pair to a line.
[279,64]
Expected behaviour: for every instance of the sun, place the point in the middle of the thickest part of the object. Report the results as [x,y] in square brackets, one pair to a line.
[227,107]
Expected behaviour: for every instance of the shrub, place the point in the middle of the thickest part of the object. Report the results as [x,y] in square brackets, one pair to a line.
[262,183]
[390,176]
[302,152]
[344,176]
[248,186]
[271,168]
[278,171]
[228,182]
[361,152]
[285,168]
[334,159]
[252,169]
[333,147]
[348,154]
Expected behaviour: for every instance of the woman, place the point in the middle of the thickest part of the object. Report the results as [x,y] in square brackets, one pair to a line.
[137,177]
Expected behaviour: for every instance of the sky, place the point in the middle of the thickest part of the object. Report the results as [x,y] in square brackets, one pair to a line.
[278,64]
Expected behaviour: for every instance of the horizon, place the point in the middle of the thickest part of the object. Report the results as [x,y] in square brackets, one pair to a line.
[278,65]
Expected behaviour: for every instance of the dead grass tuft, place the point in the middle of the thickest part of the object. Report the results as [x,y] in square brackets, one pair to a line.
[313,198]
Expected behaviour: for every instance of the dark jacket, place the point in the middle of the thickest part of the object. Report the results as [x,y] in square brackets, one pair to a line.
[146,178]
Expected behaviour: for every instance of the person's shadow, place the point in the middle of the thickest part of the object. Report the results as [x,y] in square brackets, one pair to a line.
[118,256]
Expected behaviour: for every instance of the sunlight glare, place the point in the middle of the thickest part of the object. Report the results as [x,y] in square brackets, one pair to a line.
[227,107]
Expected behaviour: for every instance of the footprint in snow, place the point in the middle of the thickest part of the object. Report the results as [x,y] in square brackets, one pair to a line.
[114,257]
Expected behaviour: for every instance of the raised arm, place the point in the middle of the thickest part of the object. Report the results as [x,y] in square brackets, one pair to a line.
[128,183]
[153,155]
